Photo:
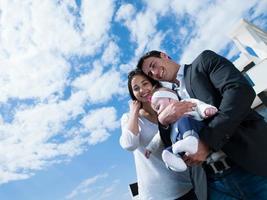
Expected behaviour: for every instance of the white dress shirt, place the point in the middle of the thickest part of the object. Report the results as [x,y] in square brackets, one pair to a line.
[182,92]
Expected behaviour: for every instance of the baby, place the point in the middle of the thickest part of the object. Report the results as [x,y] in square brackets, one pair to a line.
[184,132]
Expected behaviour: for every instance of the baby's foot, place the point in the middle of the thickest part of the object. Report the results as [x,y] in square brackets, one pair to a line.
[174,162]
[188,145]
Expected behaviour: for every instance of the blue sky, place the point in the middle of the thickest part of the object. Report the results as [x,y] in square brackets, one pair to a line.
[63,84]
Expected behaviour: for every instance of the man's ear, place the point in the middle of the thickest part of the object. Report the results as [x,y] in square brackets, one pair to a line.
[164,55]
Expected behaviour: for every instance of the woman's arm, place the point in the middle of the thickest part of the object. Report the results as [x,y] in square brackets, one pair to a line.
[129,139]
[133,117]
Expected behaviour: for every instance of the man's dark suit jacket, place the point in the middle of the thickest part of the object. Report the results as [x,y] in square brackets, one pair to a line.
[236,129]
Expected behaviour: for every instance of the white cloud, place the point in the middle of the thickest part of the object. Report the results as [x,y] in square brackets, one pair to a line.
[28,143]
[99,122]
[97,136]
[259,9]
[37,135]
[39,76]
[191,7]
[53,25]
[36,44]
[104,117]
[108,191]
[33,41]
[143,29]
[111,54]
[9,176]
[212,25]
[97,187]
[107,85]
[125,12]
[96,19]
[126,68]
[36,26]
[159,6]
[141,26]
[84,186]
[100,87]
[155,42]
[48,25]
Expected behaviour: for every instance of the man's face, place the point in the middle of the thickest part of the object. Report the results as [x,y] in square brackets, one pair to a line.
[160,68]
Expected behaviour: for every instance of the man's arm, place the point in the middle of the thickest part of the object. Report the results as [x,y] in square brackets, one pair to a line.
[236,98]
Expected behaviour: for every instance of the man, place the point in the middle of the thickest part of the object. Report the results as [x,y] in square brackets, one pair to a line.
[236,130]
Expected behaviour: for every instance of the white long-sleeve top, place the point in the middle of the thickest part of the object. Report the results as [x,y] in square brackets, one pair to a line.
[155,181]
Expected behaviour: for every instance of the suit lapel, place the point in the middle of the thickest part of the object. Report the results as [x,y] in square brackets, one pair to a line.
[187,79]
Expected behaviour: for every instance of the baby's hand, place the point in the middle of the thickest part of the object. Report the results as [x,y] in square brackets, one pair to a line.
[210,112]
[147,153]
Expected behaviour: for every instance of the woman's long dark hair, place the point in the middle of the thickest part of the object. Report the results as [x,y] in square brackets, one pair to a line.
[139,72]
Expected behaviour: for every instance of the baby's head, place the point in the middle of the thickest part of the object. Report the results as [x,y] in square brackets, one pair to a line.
[161,98]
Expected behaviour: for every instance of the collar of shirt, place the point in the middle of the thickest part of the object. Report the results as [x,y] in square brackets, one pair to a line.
[182,89]
[180,73]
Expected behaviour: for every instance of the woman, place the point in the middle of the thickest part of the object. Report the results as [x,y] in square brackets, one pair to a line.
[139,126]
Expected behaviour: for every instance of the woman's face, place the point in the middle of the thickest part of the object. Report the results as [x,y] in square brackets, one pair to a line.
[142,88]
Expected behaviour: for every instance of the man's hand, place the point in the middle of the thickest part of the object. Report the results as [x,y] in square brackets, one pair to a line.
[174,111]
[199,157]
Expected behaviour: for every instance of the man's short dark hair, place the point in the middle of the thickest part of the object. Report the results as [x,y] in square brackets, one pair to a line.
[153,53]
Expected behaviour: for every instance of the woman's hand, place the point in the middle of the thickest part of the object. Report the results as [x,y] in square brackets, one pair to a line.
[147,153]
[135,107]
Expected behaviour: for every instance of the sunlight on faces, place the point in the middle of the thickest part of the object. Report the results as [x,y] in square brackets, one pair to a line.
[142,88]
[153,67]
[162,69]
